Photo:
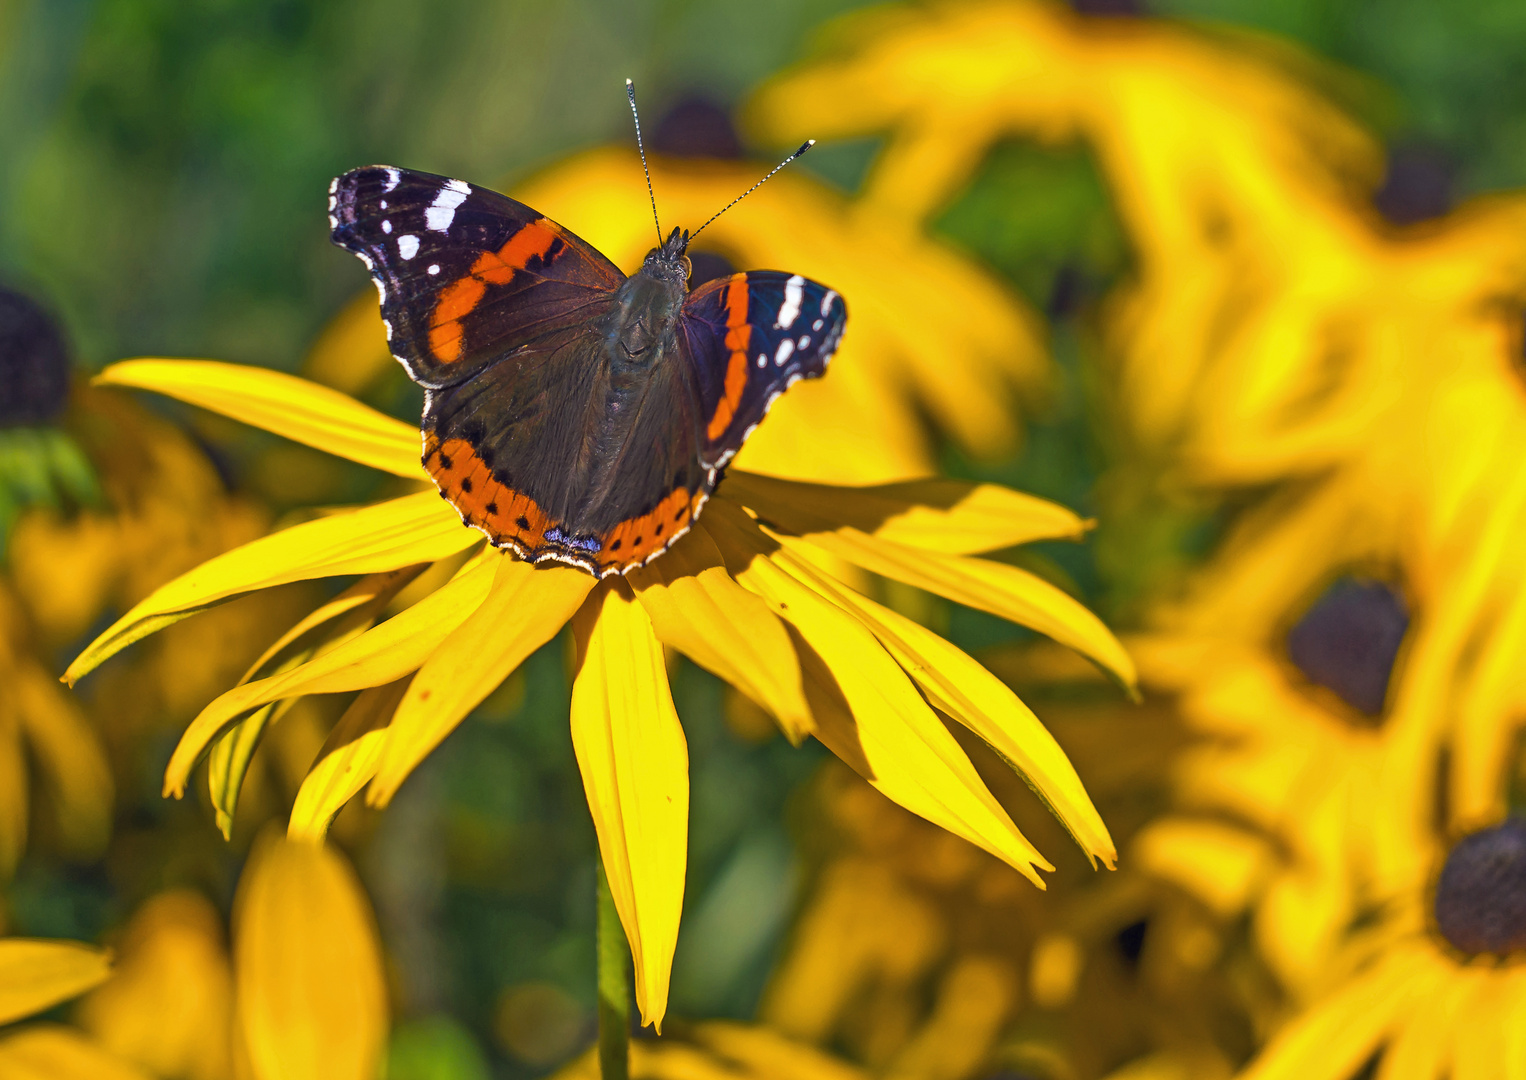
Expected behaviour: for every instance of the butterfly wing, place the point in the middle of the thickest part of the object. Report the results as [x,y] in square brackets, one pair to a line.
[466,275]
[750,336]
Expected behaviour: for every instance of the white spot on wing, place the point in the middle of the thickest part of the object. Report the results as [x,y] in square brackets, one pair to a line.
[386,226]
[805,341]
[762,360]
[393,179]
[826,302]
[443,210]
[434,268]
[408,246]
[794,289]
[786,347]
[384,204]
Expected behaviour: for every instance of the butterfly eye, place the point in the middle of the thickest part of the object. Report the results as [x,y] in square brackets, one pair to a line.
[688,267]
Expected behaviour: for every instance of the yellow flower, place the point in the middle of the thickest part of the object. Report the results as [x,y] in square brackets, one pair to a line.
[1439,993]
[722,1050]
[933,334]
[35,975]
[741,596]
[303,994]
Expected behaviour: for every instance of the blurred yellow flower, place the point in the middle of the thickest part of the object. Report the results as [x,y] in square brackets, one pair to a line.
[721,1050]
[960,353]
[303,995]
[741,596]
[36,975]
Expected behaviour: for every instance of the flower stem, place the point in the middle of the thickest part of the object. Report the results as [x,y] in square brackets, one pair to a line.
[614,989]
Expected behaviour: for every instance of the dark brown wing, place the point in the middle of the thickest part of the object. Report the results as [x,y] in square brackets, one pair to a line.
[466,275]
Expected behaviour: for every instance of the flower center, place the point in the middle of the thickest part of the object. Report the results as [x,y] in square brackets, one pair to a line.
[34,363]
[1348,639]
[1481,897]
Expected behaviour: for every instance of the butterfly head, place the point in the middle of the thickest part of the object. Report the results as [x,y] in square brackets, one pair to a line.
[670,263]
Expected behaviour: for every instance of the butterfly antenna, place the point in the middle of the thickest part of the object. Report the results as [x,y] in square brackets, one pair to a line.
[803,148]
[630,92]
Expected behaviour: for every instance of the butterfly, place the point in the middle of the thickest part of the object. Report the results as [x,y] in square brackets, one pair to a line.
[571,413]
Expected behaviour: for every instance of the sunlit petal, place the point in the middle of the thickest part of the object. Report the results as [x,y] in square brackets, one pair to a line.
[697,608]
[386,652]
[944,515]
[348,760]
[296,408]
[37,974]
[635,765]
[412,529]
[525,608]
[996,587]
[312,999]
[981,702]
[867,711]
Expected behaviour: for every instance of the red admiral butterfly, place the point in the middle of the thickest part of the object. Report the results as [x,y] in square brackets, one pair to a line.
[571,413]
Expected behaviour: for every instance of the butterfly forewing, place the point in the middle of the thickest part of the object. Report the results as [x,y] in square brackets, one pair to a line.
[465,275]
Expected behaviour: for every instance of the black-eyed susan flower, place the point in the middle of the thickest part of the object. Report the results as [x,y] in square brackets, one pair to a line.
[743,596]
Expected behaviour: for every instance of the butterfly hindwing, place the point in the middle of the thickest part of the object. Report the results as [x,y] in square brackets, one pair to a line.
[465,275]
[751,336]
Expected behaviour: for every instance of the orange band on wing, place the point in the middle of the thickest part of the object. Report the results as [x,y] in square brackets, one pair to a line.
[738,336]
[461,297]
[465,480]
[632,542]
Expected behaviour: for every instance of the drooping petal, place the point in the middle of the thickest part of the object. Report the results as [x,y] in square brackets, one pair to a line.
[36,974]
[996,587]
[525,608]
[635,764]
[295,408]
[412,529]
[867,711]
[697,608]
[56,1052]
[348,760]
[963,689]
[384,653]
[312,1000]
[944,515]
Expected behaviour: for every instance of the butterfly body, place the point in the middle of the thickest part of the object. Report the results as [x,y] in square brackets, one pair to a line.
[571,413]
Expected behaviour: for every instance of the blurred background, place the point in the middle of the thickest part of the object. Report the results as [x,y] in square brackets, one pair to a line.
[1241,279]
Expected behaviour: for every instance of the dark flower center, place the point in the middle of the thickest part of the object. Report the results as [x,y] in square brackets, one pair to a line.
[34,363]
[1348,639]
[1481,896]
[696,128]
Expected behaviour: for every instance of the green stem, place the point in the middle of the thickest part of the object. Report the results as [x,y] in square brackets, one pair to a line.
[614,989]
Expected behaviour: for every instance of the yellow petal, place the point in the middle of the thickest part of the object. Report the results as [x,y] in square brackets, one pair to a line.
[766,1053]
[384,653]
[867,712]
[987,586]
[945,515]
[300,410]
[312,1001]
[413,529]
[55,1052]
[69,757]
[346,763]
[957,684]
[342,619]
[36,974]
[525,608]
[699,610]
[14,802]
[635,764]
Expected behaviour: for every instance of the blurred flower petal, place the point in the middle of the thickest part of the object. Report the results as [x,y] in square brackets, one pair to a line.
[386,652]
[412,529]
[635,764]
[987,586]
[959,686]
[14,792]
[69,757]
[945,515]
[55,1052]
[698,609]
[37,974]
[312,998]
[295,408]
[526,607]
[867,712]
